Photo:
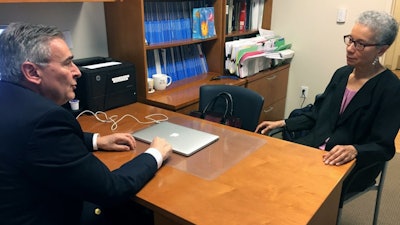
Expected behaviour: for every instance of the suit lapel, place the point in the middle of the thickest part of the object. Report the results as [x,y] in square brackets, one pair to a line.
[361,98]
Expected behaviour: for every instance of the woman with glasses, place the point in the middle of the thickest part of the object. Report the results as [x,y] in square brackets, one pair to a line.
[358,115]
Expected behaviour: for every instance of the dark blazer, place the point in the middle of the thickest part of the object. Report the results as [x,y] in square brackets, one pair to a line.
[370,122]
[47,169]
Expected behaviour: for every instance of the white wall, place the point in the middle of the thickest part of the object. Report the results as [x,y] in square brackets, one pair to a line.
[85,21]
[310,25]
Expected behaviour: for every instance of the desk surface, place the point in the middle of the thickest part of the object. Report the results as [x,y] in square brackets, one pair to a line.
[275,182]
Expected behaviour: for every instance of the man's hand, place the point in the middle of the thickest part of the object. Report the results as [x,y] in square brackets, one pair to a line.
[162,146]
[116,142]
[339,155]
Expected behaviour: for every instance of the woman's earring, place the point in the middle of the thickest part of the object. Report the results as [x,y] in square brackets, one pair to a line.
[376,60]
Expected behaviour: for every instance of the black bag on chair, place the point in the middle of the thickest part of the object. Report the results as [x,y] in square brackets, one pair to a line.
[225,116]
[292,135]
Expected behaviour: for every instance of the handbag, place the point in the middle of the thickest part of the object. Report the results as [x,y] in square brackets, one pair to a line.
[225,116]
[292,135]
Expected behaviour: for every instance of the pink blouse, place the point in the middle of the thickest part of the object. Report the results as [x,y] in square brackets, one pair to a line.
[348,95]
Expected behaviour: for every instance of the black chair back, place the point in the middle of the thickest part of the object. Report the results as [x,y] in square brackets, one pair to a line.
[247,104]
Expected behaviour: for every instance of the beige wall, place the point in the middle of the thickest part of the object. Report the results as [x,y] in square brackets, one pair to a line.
[392,57]
[310,25]
[85,21]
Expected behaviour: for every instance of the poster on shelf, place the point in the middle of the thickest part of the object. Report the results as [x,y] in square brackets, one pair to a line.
[203,23]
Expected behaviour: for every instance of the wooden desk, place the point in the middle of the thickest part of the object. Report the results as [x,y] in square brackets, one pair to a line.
[259,181]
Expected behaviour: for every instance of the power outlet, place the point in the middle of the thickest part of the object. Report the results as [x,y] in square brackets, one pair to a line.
[303,91]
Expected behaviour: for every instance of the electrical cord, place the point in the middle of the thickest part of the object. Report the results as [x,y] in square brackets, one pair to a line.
[114,118]
[303,96]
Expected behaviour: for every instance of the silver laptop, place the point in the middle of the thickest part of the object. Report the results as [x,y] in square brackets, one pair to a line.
[184,140]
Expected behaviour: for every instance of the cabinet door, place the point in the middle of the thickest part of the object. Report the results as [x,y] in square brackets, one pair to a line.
[273,87]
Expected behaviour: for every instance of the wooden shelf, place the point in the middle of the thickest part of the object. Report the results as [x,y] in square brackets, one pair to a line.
[126,42]
[178,43]
[185,93]
[241,33]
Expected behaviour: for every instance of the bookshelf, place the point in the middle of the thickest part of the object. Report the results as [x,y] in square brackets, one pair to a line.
[125,24]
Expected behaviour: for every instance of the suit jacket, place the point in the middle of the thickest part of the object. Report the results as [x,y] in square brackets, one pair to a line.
[47,169]
[370,122]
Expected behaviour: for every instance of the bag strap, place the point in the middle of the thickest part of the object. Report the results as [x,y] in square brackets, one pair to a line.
[228,103]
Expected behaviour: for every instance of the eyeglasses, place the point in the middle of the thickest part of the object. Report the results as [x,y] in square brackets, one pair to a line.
[348,40]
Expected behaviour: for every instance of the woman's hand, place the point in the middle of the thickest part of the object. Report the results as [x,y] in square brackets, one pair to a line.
[266,126]
[339,155]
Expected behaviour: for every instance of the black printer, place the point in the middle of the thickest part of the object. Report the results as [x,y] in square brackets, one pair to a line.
[105,83]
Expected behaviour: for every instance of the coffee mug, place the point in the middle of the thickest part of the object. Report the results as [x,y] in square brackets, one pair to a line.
[161,81]
[150,85]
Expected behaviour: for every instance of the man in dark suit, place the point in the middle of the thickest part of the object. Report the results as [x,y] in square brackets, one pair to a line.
[47,170]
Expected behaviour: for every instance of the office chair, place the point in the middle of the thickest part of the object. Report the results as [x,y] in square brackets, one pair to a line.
[247,104]
[378,168]
[376,186]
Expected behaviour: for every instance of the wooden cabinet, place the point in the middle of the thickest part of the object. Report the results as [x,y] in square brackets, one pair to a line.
[126,41]
[272,84]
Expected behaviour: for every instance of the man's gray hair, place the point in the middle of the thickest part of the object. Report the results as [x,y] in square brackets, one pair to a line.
[22,42]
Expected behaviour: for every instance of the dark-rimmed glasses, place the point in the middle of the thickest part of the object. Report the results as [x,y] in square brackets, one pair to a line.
[348,40]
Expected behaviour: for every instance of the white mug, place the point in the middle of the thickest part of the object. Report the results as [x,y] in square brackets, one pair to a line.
[161,81]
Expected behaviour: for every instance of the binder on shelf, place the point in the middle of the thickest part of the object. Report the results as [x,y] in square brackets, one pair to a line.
[248,14]
[202,57]
[254,10]
[186,20]
[157,61]
[163,60]
[171,68]
[230,16]
[155,24]
[195,56]
[189,64]
[226,16]
[260,12]
[179,65]
[242,16]
[236,14]
[151,66]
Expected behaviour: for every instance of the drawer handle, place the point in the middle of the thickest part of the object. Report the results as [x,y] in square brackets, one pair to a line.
[269,109]
[271,78]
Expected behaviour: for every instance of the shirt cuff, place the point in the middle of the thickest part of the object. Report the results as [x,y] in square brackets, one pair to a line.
[94,141]
[156,154]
